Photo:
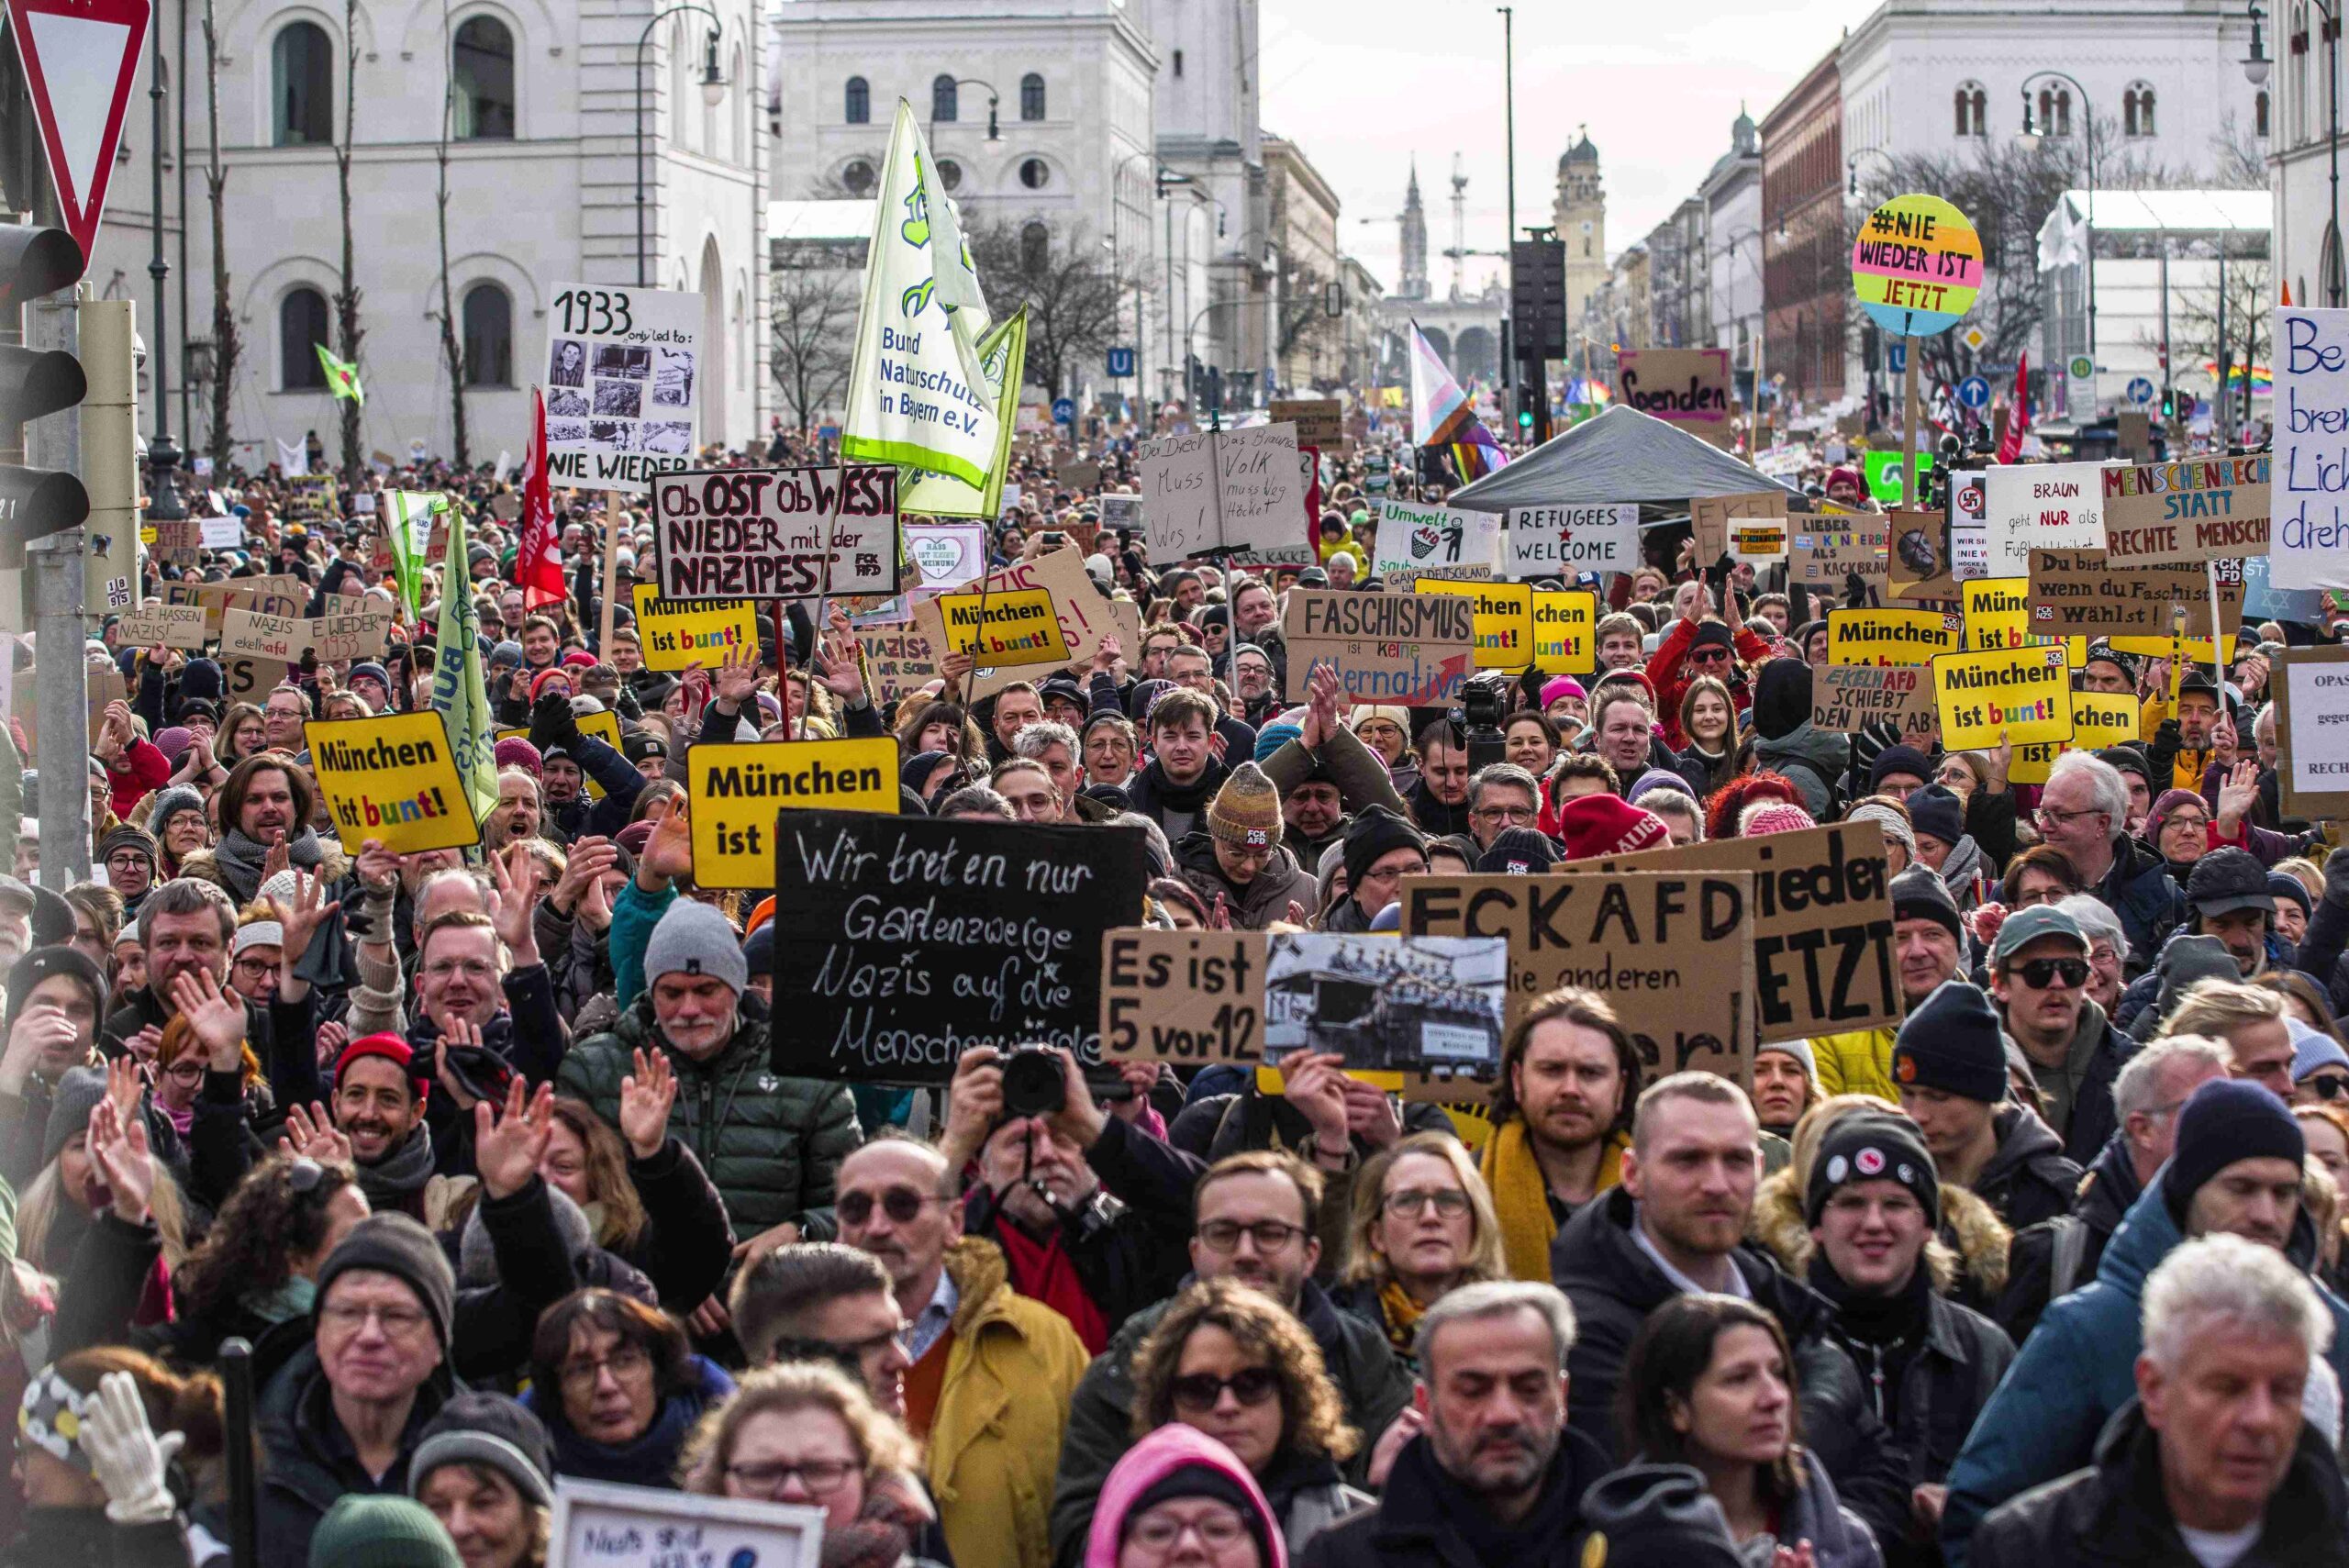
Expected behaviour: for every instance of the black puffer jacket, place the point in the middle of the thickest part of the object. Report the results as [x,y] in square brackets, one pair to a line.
[2029,1179]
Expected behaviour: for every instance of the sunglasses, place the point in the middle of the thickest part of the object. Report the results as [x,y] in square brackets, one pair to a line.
[901,1204]
[2331,1086]
[2040,972]
[1709,656]
[1197,1392]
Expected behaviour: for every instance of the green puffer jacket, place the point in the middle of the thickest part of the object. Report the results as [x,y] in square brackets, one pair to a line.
[772,1145]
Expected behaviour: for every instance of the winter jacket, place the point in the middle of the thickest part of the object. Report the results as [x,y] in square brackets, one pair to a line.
[2116,1512]
[1373,1385]
[1667,672]
[2027,1179]
[85,1538]
[2138,890]
[649,1459]
[2318,956]
[2076,1369]
[2056,1257]
[1177,809]
[306,1459]
[1427,1519]
[139,772]
[688,1242]
[1266,897]
[1856,1064]
[2093,1120]
[1813,758]
[1978,1239]
[772,1145]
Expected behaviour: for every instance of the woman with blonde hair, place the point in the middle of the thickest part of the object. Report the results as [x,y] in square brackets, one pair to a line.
[104,1212]
[1421,1225]
[1229,1361]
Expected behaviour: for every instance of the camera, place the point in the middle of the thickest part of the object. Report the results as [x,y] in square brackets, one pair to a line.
[1483,703]
[1032,1082]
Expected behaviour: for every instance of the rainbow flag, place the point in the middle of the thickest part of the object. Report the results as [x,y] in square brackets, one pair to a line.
[1442,416]
[2262,383]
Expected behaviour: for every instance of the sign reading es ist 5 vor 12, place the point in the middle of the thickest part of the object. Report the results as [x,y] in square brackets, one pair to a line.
[1917,265]
[622,380]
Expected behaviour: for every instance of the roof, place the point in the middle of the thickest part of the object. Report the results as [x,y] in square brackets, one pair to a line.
[820,220]
[1581,152]
[2063,237]
[1621,455]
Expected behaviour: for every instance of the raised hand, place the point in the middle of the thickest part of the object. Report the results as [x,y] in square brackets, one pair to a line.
[460,1034]
[331,1039]
[590,858]
[133,1465]
[217,1017]
[646,1095]
[737,678]
[1315,1082]
[2238,793]
[278,859]
[506,1148]
[41,1028]
[515,873]
[312,1135]
[1106,656]
[837,668]
[126,1085]
[117,1146]
[379,868]
[595,906]
[302,918]
[669,853]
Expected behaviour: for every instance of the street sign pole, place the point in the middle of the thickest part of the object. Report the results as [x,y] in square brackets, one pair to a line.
[60,686]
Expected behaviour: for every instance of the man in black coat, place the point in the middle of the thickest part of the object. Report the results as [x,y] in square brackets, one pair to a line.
[1950,1063]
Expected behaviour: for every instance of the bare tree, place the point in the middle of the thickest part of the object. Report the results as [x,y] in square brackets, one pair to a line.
[226,347]
[2226,324]
[451,348]
[814,323]
[1071,298]
[1303,323]
[346,299]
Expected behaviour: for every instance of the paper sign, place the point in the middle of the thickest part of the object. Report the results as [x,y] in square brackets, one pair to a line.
[352,634]
[760,533]
[1890,635]
[158,625]
[1998,612]
[1920,558]
[946,554]
[2309,544]
[1758,542]
[1224,490]
[1413,538]
[734,790]
[622,379]
[1917,265]
[1189,998]
[2076,592]
[1565,541]
[2203,509]
[1504,620]
[677,633]
[281,638]
[391,778]
[1019,627]
[898,660]
[1320,421]
[1843,698]
[1407,650]
[2041,507]
[2313,732]
[1564,621]
[1086,614]
[1425,1009]
[1687,388]
[601,1524]
[1825,552]
[2022,695]
[1672,952]
[2098,719]
[1709,519]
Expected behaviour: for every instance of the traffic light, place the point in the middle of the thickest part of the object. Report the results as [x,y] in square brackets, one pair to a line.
[35,502]
[1537,297]
[2169,403]
[1525,418]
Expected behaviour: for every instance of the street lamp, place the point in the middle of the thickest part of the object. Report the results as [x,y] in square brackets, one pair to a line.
[713,88]
[2254,70]
[1852,166]
[994,133]
[1117,174]
[2030,136]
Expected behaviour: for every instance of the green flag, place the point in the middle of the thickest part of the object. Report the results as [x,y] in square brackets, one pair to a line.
[343,377]
[1002,357]
[407,523]
[459,693]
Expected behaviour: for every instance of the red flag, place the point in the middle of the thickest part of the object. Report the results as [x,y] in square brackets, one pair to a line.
[2018,412]
[537,562]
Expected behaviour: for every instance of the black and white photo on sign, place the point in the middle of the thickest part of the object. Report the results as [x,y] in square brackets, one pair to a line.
[623,359]
[570,431]
[1428,1005]
[620,435]
[566,402]
[567,363]
[671,438]
[621,398]
[673,378]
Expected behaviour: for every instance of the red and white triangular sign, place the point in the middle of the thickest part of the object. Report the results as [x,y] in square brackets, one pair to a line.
[80,57]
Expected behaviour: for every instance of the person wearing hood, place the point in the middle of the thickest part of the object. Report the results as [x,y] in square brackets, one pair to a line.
[1184,772]
[1381,848]
[1237,859]
[2039,974]
[1937,827]
[618,1386]
[2237,1169]
[1787,742]
[1179,1485]
[1949,1062]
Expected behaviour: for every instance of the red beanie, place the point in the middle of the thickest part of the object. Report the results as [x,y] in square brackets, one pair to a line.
[538,681]
[1595,825]
[1776,816]
[392,1049]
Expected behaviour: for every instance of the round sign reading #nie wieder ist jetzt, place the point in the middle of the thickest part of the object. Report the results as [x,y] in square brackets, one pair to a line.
[1917,265]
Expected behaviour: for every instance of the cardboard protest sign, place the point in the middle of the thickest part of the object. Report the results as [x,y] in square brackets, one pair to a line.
[1687,388]
[2313,732]
[1843,698]
[1921,558]
[281,638]
[2041,507]
[1564,621]
[2077,591]
[602,1524]
[1086,614]
[1421,1014]
[1709,519]
[391,778]
[1224,490]
[1564,542]
[1890,635]
[1998,612]
[1673,951]
[246,678]
[1410,650]
[2199,509]
[734,790]
[2098,719]
[622,379]
[158,625]
[270,595]
[2309,544]
[363,633]
[1078,477]
[897,659]
[1504,620]
[677,633]
[1189,997]
[1320,421]
[1824,552]
[1413,538]
[762,533]
[916,939]
[2019,695]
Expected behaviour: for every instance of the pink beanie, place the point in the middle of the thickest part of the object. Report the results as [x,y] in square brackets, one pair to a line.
[1776,817]
[1564,686]
[515,752]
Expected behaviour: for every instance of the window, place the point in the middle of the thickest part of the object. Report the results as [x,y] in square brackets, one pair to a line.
[2054,111]
[2137,109]
[1035,173]
[483,67]
[301,327]
[1035,247]
[950,173]
[944,103]
[302,83]
[2259,116]
[860,101]
[488,318]
[1032,96]
[1973,109]
[1178,62]
[858,178]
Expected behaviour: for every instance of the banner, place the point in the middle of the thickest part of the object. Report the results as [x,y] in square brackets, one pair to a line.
[914,940]
[1890,635]
[2098,719]
[1221,491]
[1503,627]
[735,789]
[2264,601]
[676,634]
[2041,507]
[1687,388]
[1408,649]
[460,695]
[1565,541]
[2076,592]
[409,518]
[538,560]
[1413,538]
[2019,694]
[1564,621]
[1825,552]
[392,779]
[2201,509]
[762,533]
[2313,732]
[623,378]
[1003,362]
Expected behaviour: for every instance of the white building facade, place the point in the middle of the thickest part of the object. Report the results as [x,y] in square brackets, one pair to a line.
[1210,137]
[2301,52]
[1731,196]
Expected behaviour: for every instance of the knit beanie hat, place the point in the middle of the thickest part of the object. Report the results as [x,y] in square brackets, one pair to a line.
[1375,831]
[2169,800]
[1198,1478]
[78,1092]
[393,1049]
[1953,1042]
[42,963]
[1275,735]
[2283,886]
[1246,811]
[1898,760]
[1934,809]
[1781,698]
[128,836]
[552,673]
[173,740]
[488,1430]
[1774,817]
[694,938]
[1655,779]
[515,752]
[394,1244]
[200,680]
[1593,826]
[2225,1120]
[1657,1515]
[2312,1049]
[370,1532]
[168,804]
[1896,830]
[1872,1146]
[1798,1048]
[1519,851]
[368,669]
[758,952]
[1556,688]
[1920,893]
[2185,962]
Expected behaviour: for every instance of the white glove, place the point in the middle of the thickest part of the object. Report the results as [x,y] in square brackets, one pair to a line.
[129,1459]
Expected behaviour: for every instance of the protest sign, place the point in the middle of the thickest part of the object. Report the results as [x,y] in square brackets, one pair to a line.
[2076,591]
[1824,552]
[1845,697]
[1019,627]
[1084,613]
[603,1524]
[1757,541]
[250,632]
[760,533]
[246,678]
[916,939]
[1998,612]
[1121,512]
[2041,507]
[897,659]
[1410,650]
[1224,490]
[2098,719]
[2193,649]
[1917,266]
[1563,620]
[676,633]
[1920,558]
[1564,542]
[2261,600]
[1504,620]
[363,633]
[1890,635]
[1189,997]
[391,778]
[2310,541]
[2019,694]
[1413,538]
[946,555]
[1709,519]
[1320,421]
[735,789]
[1673,951]
[1421,1014]
[2313,732]
[1687,388]
[622,379]
[604,726]
[158,625]
[1078,477]
[282,595]
[2209,509]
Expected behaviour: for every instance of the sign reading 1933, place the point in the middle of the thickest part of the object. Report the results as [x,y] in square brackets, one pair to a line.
[622,381]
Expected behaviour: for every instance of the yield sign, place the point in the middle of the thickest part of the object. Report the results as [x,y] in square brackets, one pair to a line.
[78,58]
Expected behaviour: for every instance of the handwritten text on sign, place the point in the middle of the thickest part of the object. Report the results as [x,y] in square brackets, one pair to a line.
[2035,506]
[2312,695]
[760,533]
[1917,265]
[2309,544]
[1562,542]
[1411,650]
[2205,509]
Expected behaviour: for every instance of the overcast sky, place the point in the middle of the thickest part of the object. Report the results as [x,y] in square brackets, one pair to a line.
[1363,85]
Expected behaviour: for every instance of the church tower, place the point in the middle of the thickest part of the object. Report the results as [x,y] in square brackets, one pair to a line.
[1580,216]
[1415,241]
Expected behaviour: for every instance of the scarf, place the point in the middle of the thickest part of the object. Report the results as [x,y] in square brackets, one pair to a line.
[885,1530]
[1402,1315]
[1522,1196]
[1042,1271]
[1433,815]
[1545,1536]
[292,1299]
[397,1181]
[651,1455]
[1191,799]
[240,859]
[1960,867]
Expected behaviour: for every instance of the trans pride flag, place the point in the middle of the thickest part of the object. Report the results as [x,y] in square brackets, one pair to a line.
[1441,416]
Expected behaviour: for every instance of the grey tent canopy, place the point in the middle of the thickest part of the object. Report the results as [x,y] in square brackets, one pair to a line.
[1621,455]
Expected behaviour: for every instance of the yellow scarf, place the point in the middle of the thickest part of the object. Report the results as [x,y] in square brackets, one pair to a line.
[1401,1312]
[1522,1196]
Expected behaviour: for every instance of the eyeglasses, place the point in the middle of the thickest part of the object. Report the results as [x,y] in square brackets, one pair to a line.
[624,1362]
[2330,1086]
[188,1070]
[2039,974]
[470,968]
[1446,1201]
[820,1477]
[2065,819]
[1270,1235]
[1217,1532]
[901,1204]
[1197,1392]
[255,968]
[2194,819]
[1517,814]
[397,1322]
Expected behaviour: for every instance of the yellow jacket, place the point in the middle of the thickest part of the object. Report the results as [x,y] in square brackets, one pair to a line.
[995,1442]
[1857,1064]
